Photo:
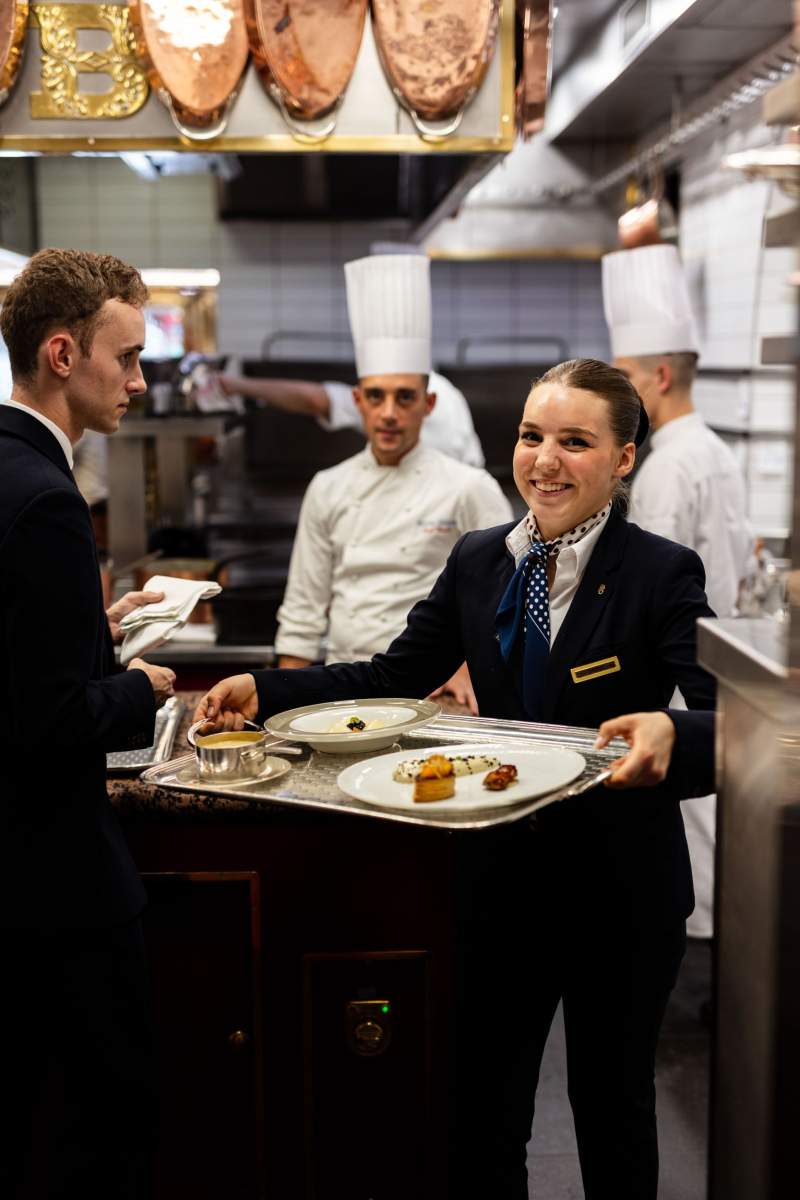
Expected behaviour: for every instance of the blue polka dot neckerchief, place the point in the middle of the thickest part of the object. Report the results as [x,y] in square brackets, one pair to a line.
[526,604]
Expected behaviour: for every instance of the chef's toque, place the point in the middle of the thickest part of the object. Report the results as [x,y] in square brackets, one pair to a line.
[389,303]
[646,303]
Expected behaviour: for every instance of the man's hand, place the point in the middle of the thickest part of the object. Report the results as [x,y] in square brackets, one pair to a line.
[460,688]
[127,604]
[651,737]
[232,385]
[230,703]
[162,680]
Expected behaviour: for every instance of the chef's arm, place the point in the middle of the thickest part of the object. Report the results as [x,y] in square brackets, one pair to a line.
[303,615]
[290,662]
[301,396]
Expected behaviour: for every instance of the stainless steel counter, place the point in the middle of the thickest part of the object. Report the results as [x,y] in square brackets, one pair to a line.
[207,654]
[757,918]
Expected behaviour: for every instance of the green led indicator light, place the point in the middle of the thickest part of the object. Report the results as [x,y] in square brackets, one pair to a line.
[384,1008]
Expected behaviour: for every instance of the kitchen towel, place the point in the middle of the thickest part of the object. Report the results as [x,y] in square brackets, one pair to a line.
[153,624]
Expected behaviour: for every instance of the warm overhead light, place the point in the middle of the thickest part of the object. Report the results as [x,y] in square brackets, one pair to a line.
[167,277]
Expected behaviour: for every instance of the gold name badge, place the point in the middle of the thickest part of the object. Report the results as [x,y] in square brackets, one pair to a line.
[593,670]
[63,63]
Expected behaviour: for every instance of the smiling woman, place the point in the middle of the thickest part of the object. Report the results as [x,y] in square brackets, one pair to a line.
[577,443]
[600,890]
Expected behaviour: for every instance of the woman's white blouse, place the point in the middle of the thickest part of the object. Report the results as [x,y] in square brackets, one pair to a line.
[571,564]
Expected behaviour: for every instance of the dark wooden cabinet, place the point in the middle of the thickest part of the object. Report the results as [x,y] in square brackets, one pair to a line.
[367,1064]
[287,931]
[204,948]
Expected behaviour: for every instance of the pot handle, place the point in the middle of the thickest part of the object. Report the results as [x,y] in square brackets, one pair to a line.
[196,133]
[305,134]
[435,131]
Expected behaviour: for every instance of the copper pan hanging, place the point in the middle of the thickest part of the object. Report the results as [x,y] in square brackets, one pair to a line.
[13,22]
[534,82]
[305,52]
[195,53]
[435,56]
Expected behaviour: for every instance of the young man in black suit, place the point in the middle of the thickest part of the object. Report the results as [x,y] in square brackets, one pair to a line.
[75,988]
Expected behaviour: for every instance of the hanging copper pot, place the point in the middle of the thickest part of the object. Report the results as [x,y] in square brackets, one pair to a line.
[195,53]
[648,220]
[13,23]
[435,56]
[537,63]
[305,53]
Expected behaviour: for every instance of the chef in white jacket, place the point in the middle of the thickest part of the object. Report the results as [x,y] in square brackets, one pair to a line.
[375,530]
[448,428]
[690,487]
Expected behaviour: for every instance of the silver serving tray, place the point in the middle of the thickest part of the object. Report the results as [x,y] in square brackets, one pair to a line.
[311,784]
[168,718]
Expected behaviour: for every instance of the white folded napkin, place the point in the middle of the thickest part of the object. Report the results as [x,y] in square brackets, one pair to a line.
[153,624]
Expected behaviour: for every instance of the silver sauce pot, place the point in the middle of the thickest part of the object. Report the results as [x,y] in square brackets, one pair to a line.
[244,759]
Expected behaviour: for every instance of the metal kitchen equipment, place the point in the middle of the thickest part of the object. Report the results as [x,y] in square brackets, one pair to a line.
[312,781]
[436,60]
[13,20]
[195,55]
[305,53]
[168,719]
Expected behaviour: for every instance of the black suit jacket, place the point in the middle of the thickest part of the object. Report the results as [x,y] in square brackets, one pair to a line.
[63,859]
[626,642]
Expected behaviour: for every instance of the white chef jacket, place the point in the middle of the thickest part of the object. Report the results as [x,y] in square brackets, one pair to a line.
[448,428]
[91,467]
[371,541]
[690,489]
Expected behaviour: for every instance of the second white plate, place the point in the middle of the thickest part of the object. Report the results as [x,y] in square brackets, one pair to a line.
[542,769]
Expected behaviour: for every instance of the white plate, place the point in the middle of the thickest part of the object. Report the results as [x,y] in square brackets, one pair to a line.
[273,767]
[313,723]
[541,770]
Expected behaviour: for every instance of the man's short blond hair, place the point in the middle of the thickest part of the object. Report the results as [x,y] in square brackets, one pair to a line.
[63,289]
[684,366]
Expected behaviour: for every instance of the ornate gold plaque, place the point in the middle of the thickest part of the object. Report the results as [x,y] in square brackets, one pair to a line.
[63,63]
[13,20]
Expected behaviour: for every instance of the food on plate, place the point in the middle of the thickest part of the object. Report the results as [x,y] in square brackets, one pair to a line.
[499,779]
[463,764]
[355,724]
[435,780]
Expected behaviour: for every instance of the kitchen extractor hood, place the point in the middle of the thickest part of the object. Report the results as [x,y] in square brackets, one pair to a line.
[621,69]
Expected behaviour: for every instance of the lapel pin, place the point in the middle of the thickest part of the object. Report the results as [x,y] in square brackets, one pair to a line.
[601,589]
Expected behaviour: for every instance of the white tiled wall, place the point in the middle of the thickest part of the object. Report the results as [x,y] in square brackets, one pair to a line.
[741,294]
[283,277]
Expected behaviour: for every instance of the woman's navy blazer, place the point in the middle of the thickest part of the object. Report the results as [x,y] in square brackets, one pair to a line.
[626,642]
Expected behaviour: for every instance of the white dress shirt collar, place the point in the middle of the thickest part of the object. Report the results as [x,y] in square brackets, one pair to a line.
[58,434]
[571,564]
